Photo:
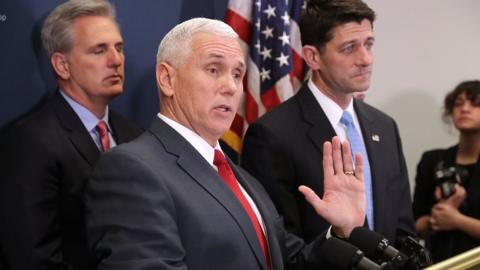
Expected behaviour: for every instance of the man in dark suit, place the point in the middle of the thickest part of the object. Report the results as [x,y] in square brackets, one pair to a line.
[283,149]
[48,156]
[170,200]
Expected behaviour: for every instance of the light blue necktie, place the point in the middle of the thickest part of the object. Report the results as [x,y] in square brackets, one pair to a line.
[357,146]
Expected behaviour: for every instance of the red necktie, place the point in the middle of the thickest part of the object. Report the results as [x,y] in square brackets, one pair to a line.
[227,175]
[103,131]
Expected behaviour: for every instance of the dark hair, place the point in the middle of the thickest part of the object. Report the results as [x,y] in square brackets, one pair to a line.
[471,90]
[321,16]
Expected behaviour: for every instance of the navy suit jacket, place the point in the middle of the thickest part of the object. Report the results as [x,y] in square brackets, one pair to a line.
[46,161]
[156,203]
[284,149]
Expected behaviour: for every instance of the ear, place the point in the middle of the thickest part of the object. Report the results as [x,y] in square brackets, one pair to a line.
[60,65]
[165,78]
[311,55]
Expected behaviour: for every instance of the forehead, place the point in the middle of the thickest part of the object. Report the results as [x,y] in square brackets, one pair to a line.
[352,31]
[211,45]
[96,29]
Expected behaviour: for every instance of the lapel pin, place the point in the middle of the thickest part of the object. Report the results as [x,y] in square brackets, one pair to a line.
[375,138]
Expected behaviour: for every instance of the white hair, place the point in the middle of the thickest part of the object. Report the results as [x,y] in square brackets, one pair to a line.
[175,45]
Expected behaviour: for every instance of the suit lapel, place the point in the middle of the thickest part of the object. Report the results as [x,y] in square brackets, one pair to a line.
[321,129]
[373,143]
[276,256]
[206,176]
[78,135]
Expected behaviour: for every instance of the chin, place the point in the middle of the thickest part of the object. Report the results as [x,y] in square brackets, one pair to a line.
[114,92]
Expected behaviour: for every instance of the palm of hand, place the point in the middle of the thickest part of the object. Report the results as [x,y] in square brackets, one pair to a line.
[344,202]
[341,208]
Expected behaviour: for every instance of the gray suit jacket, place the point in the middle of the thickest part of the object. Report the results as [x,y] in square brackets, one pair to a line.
[155,203]
[283,150]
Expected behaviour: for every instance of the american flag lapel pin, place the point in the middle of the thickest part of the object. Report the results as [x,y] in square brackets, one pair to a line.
[375,138]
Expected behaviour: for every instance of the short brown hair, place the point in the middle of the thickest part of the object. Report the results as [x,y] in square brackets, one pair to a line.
[321,16]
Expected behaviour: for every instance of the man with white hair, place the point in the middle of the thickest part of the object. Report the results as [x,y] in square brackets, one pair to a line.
[170,199]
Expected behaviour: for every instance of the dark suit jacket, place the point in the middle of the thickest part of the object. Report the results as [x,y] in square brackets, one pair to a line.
[283,150]
[156,203]
[445,244]
[46,161]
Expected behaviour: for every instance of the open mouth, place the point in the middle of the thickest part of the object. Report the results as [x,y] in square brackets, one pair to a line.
[223,108]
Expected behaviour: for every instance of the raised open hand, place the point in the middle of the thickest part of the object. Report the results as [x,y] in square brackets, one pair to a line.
[344,203]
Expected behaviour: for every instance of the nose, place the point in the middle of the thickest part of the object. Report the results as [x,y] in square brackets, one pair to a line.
[230,84]
[115,58]
[467,105]
[364,56]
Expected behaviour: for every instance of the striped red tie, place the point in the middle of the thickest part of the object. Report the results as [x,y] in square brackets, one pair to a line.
[103,131]
[227,175]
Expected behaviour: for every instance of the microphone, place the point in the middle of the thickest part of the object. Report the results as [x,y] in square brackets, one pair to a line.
[377,247]
[345,256]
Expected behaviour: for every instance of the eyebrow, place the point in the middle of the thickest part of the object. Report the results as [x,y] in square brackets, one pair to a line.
[105,44]
[354,41]
[220,56]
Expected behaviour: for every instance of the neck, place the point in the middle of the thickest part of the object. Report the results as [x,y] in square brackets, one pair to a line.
[468,147]
[97,106]
[342,99]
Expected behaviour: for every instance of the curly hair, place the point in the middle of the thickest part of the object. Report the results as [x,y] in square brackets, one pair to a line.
[471,90]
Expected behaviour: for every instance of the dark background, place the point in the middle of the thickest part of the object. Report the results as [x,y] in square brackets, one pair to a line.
[25,73]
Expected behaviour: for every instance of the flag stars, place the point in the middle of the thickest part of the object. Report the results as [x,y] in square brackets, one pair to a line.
[286,18]
[266,53]
[282,59]
[304,5]
[264,74]
[257,46]
[268,32]
[257,24]
[285,39]
[258,3]
[270,11]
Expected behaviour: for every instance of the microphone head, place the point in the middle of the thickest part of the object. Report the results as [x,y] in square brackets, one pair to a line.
[340,254]
[371,243]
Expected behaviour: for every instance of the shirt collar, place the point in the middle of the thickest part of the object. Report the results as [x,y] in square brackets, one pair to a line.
[88,119]
[332,110]
[201,145]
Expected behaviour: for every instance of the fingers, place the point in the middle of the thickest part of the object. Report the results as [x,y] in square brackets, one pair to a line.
[337,158]
[359,166]
[347,157]
[312,198]
[438,193]
[327,160]
[459,190]
[337,155]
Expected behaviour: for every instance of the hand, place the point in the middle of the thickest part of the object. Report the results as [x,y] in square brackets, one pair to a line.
[456,199]
[444,217]
[344,202]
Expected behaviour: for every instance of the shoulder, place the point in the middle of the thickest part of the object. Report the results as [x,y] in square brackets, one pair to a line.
[285,115]
[372,112]
[435,154]
[125,128]
[36,124]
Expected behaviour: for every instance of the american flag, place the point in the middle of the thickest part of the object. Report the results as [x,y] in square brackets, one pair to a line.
[270,38]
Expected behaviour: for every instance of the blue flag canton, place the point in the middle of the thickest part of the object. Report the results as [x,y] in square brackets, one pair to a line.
[270,41]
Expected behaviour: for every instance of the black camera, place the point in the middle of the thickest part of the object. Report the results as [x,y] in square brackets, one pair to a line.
[446,179]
